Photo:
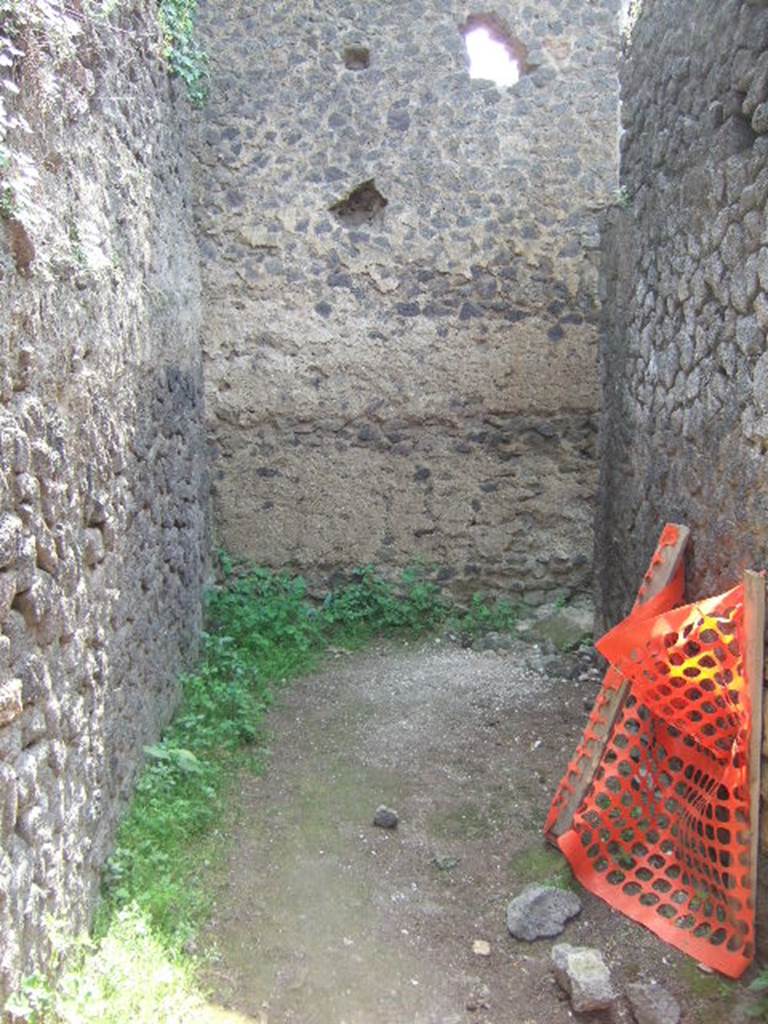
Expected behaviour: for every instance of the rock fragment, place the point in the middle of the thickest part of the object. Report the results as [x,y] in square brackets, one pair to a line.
[385,817]
[541,912]
[495,641]
[652,1004]
[583,974]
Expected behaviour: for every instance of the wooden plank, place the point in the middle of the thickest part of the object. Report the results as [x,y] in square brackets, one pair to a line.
[659,574]
[663,572]
[754,639]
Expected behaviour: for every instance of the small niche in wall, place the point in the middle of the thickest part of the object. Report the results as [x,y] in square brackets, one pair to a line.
[494,53]
[357,58]
[363,205]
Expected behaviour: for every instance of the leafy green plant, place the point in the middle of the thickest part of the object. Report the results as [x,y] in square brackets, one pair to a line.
[484,616]
[369,604]
[181,49]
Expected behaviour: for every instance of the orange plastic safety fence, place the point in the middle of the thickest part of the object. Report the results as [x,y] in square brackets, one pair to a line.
[663,833]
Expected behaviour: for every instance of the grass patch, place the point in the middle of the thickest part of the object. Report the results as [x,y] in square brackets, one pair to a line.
[709,987]
[466,821]
[262,631]
[542,865]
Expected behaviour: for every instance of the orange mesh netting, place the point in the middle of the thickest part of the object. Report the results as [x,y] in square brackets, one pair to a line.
[663,831]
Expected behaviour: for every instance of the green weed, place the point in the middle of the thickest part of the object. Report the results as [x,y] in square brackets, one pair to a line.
[181,49]
[484,616]
[369,605]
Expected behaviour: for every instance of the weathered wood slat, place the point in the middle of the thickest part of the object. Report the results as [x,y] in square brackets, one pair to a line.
[660,573]
[754,633]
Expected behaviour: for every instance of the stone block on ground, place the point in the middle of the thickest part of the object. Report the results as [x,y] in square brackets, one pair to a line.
[652,1004]
[565,628]
[541,912]
[583,973]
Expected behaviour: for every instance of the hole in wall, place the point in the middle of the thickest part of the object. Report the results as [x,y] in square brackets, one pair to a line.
[494,53]
[357,58]
[363,205]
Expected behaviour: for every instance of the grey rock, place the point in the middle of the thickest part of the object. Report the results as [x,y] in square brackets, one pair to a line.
[385,817]
[583,973]
[566,628]
[541,912]
[652,1004]
[559,665]
[495,642]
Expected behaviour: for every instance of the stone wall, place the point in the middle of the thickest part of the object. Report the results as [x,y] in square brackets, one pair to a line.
[410,375]
[102,482]
[685,365]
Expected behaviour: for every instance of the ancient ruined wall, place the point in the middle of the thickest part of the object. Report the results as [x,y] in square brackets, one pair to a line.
[415,380]
[684,362]
[102,527]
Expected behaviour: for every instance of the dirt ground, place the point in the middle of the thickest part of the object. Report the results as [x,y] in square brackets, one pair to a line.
[322,918]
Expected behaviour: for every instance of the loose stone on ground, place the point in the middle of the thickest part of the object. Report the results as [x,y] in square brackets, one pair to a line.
[652,1004]
[541,912]
[385,817]
[584,975]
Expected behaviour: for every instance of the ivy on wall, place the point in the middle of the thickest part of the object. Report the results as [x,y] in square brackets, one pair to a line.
[181,49]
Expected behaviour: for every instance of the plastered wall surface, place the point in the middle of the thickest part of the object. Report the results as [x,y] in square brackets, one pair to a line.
[419,384]
[103,533]
[685,360]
